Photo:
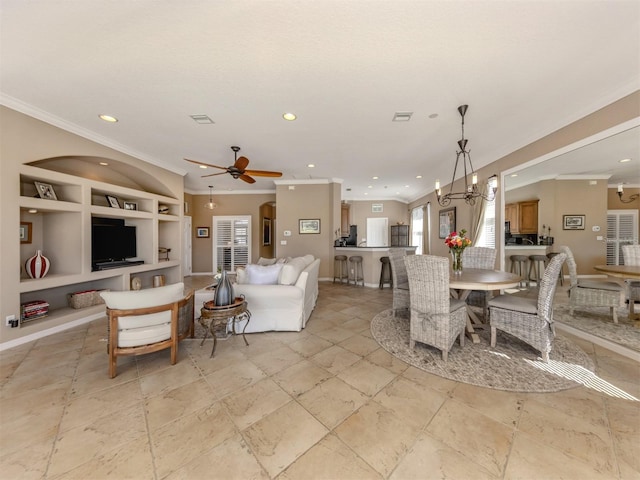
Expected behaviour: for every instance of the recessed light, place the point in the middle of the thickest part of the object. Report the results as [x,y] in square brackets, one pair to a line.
[32,210]
[203,166]
[290,117]
[104,164]
[625,160]
[311,165]
[375,178]
[514,175]
[366,193]
[418,176]
[406,186]
[369,186]
[108,118]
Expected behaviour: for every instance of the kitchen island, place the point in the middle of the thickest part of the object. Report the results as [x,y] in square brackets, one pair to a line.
[371,264]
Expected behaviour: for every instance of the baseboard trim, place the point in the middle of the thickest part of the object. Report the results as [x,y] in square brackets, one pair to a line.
[614,347]
[49,331]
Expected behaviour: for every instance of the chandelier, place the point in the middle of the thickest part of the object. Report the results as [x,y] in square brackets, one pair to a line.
[210,204]
[632,198]
[471,191]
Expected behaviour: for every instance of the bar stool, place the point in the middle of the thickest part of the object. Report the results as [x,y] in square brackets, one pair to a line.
[385,272]
[519,267]
[537,263]
[340,268]
[550,256]
[355,266]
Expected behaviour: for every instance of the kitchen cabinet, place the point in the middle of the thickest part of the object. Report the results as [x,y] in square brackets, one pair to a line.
[511,216]
[400,235]
[528,216]
[523,216]
[344,219]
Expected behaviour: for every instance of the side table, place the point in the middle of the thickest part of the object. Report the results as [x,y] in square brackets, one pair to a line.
[212,316]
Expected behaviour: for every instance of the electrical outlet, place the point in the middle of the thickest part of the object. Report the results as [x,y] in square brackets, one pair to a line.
[10,320]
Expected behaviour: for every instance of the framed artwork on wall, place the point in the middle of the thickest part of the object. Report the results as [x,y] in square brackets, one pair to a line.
[25,232]
[266,231]
[46,191]
[573,222]
[447,222]
[202,232]
[309,226]
[113,201]
[130,205]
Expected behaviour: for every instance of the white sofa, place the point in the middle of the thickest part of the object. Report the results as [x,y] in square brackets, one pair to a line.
[282,306]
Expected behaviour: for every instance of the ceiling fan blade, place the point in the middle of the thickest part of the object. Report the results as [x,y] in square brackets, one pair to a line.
[205,164]
[241,163]
[213,174]
[246,178]
[263,173]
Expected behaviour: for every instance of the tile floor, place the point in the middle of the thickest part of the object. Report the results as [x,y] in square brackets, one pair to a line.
[325,403]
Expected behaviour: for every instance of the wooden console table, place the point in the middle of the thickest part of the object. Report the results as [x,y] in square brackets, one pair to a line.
[212,316]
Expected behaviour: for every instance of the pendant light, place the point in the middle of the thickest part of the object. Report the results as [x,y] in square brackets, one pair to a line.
[471,191]
[210,204]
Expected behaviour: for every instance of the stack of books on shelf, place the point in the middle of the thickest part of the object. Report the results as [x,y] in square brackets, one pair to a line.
[33,310]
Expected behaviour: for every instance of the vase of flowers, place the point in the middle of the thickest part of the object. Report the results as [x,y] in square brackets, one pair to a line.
[457,242]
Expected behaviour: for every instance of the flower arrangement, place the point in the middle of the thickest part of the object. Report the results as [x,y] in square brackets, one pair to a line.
[457,242]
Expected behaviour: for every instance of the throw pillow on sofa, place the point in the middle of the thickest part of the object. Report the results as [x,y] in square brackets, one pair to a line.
[291,271]
[262,275]
[266,261]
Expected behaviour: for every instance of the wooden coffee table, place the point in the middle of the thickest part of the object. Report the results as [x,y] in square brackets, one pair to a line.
[213,316]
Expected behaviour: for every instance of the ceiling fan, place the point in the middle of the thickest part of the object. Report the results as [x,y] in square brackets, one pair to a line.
[238,169]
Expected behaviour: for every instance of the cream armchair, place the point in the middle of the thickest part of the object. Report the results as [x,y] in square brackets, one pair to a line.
[146,321]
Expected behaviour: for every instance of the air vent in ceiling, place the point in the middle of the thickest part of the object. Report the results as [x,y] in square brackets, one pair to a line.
[402,116]
[201,119]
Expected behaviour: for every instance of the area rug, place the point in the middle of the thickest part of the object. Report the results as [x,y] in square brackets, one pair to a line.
[513,365]
[598,322]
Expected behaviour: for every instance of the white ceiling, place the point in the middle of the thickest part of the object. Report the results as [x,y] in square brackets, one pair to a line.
[526,68]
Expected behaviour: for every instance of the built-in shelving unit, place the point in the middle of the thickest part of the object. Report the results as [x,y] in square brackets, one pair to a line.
[61,229]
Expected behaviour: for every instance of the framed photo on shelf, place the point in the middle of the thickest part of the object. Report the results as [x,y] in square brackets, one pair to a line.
[447,222]
[309,226]
[113,201]
[573,222]
[130,205]
[25,232]
[202,232]
[46,191]
[266,231]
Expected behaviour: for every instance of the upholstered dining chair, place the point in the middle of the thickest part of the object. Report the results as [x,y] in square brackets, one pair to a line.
[479,257]
[529,319]
[436,319]
[146,321]
[631,255]
[400,282]
[592,292]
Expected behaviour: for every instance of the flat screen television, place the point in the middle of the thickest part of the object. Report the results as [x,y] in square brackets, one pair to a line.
[111,242]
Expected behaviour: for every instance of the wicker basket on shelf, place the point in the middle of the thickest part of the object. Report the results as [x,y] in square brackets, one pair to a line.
[86,298]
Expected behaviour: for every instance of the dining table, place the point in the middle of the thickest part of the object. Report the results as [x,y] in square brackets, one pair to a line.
[461,284]
[622,272]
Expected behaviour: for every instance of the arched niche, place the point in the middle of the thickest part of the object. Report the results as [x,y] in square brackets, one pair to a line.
[115,172]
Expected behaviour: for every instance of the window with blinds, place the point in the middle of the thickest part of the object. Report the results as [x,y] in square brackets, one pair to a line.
[231,242]
[622,229]
[417,227]
[487,237]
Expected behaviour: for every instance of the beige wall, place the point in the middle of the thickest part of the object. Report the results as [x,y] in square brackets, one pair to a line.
[25,140]
[361,210]
[246,204]
[623,110]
